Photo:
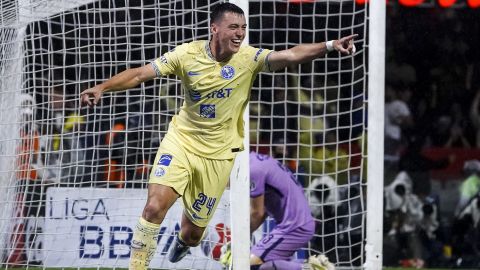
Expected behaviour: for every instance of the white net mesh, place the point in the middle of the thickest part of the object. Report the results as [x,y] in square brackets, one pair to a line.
[73,179]
[312,116]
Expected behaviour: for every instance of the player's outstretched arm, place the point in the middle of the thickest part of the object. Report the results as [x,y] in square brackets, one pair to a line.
[307,52]
[124,80]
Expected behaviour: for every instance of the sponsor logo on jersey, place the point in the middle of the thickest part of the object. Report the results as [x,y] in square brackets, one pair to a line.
[193,73]
[207,110]
[222,93]
[159,172]
[227,72]
[252,185]
[195,95]
[257,55]
[165,160]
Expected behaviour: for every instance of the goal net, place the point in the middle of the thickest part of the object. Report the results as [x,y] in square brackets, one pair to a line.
[73,180]
[312,117]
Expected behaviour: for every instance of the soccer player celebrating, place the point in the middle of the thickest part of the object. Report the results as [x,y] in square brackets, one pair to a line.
[196,156]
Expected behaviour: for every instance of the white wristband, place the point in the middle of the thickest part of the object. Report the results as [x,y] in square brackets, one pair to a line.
[329,45]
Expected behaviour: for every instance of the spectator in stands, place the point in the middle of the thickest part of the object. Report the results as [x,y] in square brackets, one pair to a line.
[284,153]
[466,234]
[458,129]
[475,118]
[457,138]
[312,121]
[338,214]
[471,185]
[403,212]
[68,139]
[138,161]
[115,139]
[324,198]
[29,185]
[258,142]
[284,114]
[429,233]
[413,226]
[397,118]
[28,149]
[328,159]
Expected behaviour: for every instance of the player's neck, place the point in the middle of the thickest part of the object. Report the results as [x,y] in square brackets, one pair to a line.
[217,53]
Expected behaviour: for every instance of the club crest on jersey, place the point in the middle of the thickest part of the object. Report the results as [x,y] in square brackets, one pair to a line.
[165,160]
[207,110]
[227,72]
[159,172]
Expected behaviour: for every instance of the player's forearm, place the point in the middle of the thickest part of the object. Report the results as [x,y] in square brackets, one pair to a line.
[256,221]
[307,52]
[297,55]
[124,80]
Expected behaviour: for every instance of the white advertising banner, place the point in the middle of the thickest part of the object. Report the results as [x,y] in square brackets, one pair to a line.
[93,227]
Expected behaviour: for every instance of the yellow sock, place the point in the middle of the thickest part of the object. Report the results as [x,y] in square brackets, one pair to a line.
[144,244]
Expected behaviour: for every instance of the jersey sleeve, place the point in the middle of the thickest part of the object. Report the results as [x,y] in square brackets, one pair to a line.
[257,178]
[257,185]
[260,59]
[170,62]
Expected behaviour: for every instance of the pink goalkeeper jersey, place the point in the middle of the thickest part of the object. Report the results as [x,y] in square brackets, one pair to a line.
[285,201]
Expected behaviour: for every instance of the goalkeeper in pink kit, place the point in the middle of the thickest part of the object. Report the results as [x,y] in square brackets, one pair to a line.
[275,193]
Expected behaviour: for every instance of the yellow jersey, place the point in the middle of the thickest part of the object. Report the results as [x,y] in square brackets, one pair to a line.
[210,121]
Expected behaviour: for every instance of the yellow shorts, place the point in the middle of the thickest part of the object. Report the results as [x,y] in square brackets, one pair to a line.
[199,180]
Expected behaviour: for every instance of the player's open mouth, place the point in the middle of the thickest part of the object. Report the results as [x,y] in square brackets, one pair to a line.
[237,42]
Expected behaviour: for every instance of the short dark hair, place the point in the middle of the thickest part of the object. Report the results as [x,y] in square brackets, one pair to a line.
[222,8]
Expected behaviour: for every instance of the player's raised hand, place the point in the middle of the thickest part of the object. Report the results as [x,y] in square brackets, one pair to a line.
[94,93]
[345,45]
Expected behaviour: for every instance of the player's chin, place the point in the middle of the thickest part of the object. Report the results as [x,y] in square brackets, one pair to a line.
[234,49]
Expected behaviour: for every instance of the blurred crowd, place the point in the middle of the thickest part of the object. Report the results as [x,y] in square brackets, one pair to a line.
[432,101]
[432,140]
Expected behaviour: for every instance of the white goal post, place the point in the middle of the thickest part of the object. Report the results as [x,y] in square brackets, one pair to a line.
[73,180]
[376,103]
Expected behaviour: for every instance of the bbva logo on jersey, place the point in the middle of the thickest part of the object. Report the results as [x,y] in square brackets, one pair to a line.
[227,72]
